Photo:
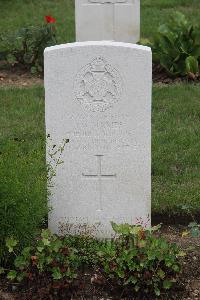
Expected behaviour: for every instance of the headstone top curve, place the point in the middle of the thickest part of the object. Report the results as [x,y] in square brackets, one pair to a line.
[98,43]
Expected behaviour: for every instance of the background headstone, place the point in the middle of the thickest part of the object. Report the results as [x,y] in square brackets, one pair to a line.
[98,95]
[117,20]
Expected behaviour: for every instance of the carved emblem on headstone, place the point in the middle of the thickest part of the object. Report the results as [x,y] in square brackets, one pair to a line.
[98,85]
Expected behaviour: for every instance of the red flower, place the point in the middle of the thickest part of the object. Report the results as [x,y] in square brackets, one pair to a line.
[50,19]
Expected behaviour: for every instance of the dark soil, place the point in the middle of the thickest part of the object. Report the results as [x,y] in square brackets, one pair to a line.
[91,286]
[175,219]
[161,76]
[18,76]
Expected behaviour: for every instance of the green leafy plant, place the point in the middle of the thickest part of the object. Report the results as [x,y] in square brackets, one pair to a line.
[23,210]
[194,226]
[11,243]
[87,249]
[194,229]
[26,46]
[139,261]
[55,155]
[49,255]
[176,47]
[135,261]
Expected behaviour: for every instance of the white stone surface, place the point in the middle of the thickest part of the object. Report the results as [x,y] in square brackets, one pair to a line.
[117,20]
[98,95]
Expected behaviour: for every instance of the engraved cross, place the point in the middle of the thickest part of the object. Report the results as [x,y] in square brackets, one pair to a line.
[99,176]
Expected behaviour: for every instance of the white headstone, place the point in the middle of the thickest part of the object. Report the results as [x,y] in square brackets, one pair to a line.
[98,95]
[117,20]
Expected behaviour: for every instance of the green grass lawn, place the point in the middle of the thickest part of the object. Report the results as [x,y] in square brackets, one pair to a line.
[175,148]
[18,13]
[23,204]
[175,145]
[176,118]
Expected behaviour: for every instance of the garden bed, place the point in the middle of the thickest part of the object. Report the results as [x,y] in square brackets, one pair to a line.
[90,285]
[19,76]
[161,76]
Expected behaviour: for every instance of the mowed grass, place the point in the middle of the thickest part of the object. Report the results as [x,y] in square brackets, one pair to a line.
[176,116]
[23,197]
[175,149]
[175,146]
[18,13]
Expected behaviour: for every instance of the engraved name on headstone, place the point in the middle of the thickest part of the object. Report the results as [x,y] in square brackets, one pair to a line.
[98,95]
[117,20]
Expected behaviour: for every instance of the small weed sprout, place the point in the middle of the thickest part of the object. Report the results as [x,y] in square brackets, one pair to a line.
[55,155]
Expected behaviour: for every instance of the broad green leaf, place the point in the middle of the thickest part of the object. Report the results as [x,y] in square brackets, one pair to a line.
[40,249]
[168,262]
[49,259]
[164,29]
[142,244]
[196,51]
[46,233]
[121,228]
[120,273]
[155,228]
[167,284]
[192,65]
[21,262]
[56,273]
[12,275]
[135,230]
[193,224]
[131,279]
[161,273]
[26,252]
[179,19]
[11,243]
[195,232]
[46,242]
[157,291]
[176,268]
[56,245]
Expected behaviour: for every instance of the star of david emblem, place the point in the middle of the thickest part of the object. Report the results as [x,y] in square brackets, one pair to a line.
[98,85]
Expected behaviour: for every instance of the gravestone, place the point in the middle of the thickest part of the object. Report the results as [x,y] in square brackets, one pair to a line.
[117,20]
[98,95]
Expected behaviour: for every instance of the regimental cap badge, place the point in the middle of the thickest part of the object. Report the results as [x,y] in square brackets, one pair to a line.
[98,85]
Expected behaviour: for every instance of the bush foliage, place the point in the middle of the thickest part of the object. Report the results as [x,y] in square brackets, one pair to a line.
[176,47]
[136,261]
[26,46]
[140,261]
